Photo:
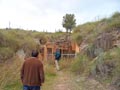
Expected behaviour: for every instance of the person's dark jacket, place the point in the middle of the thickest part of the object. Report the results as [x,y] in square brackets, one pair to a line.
[57,55]
[32,73]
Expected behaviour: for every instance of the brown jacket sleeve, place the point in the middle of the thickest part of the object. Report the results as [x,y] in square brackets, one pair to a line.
[41,72]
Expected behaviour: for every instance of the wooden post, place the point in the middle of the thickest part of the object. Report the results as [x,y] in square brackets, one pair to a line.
[52,52]
[45,52]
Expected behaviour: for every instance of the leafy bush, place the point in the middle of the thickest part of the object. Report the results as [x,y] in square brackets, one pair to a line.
[65,63]
[17,39]
[116,15]
[106,67]
[77,38]
[80,64]
[6,53]
[50,70]
[28,45]
[2,39]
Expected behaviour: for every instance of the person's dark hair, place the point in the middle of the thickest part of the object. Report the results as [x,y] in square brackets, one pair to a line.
[35,53]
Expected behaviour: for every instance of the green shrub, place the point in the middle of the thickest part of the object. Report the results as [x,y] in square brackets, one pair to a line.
[116,15]
[6,53]
[28,45]
[2,39]
[65,63]
[50,70]
[106,66]
[80,64]
[77,38]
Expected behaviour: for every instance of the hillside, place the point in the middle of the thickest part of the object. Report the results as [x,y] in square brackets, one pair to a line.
[100,48]
[13,40]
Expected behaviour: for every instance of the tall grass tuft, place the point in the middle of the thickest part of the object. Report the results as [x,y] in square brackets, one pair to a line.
[80,64]
[10,75]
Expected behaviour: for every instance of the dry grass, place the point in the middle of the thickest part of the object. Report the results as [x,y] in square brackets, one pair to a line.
[10,75]
[66,63]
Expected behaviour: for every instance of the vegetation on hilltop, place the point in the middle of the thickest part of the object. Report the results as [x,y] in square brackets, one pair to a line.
[12,40]
[90,30]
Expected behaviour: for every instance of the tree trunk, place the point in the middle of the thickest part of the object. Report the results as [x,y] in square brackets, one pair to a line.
[67,30]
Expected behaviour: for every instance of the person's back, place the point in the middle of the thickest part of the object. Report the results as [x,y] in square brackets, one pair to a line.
[32,69]
[32,73]
[57,55]
[57,58]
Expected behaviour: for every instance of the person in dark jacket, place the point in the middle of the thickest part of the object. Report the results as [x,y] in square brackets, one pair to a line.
[57,58]
[32,73]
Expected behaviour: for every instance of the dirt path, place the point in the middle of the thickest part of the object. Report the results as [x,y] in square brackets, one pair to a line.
[66,81]
[62,82]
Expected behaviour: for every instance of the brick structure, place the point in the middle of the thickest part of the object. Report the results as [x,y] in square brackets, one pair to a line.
[68,49]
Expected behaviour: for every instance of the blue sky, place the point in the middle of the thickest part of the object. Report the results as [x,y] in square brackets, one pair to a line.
[47,14]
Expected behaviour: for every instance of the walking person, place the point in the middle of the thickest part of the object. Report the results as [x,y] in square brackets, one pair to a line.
[57,58]
[32,73]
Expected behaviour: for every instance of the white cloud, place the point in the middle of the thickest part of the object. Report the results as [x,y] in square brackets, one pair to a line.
[47,14]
